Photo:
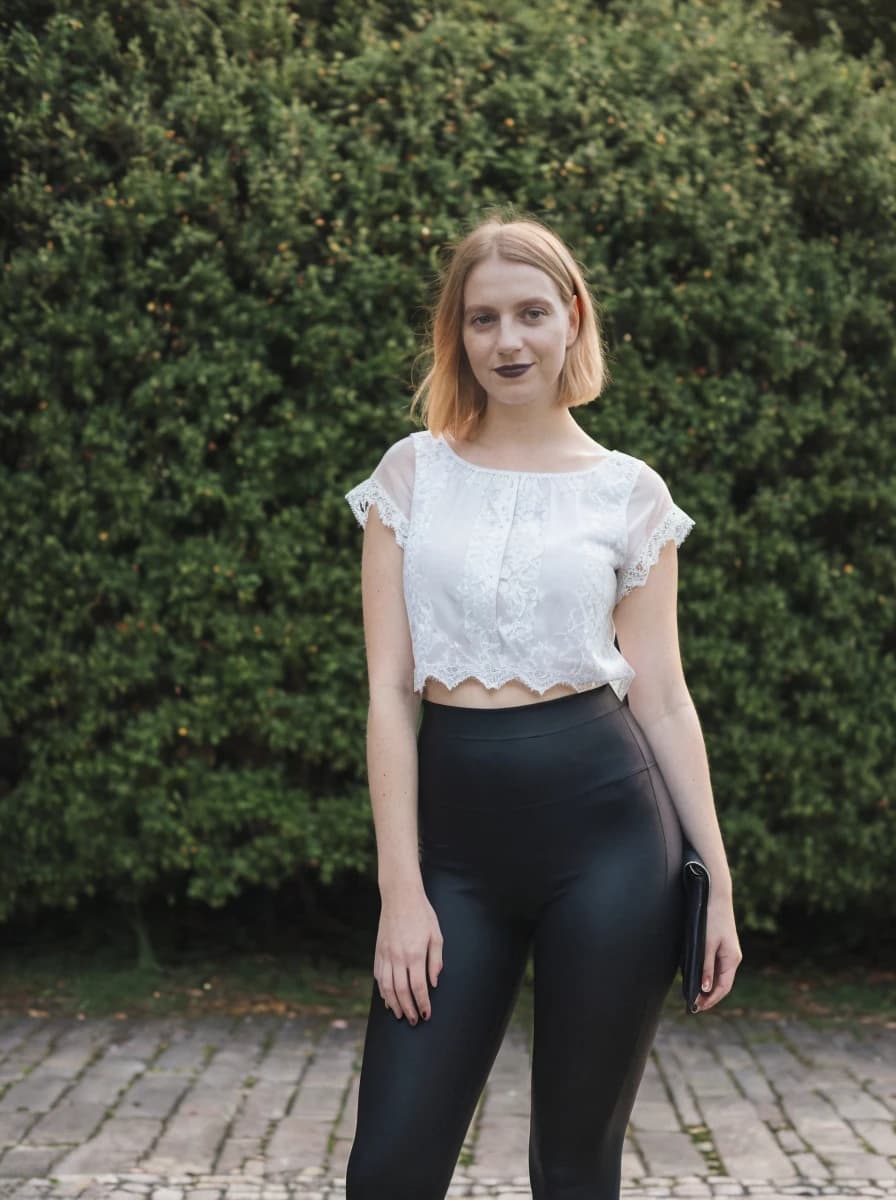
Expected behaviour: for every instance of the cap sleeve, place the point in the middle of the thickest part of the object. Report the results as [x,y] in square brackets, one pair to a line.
[390,486]
[652,518]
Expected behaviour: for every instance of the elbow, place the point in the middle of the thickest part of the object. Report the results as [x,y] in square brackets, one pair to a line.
[395,700]
[654,699]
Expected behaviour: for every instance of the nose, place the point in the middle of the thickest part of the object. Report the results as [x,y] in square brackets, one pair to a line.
[508,336]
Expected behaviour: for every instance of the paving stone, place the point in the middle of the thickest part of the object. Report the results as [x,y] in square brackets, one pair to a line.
[37,1092]
[880,1135]
[669,1152]
[235,1151]
[13,1125]
[809,1166]
[297,1142]
[744,1142]
[153,1095]
[683,1099]
[824,1130]
[657,1116]
[855,1104]
[13,1033]
[27,1161]
[632,1162]
[119,1144]
[190,1141]
[226,1085]
[790,1142]
[68,1122]
[861,1166]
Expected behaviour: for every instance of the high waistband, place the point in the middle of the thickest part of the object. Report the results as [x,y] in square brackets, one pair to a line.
[521,720]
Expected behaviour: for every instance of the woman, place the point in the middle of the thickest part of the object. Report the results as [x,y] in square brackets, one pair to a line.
[540,805]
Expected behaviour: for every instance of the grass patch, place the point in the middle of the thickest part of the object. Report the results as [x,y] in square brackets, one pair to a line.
[103,984]
[278,954]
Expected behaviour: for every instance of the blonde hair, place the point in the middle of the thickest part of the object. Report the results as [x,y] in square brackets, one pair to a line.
[450,395]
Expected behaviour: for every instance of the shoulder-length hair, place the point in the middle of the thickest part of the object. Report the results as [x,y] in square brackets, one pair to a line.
[450,396]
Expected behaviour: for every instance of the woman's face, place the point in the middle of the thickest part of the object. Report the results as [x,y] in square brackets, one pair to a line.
[513,314]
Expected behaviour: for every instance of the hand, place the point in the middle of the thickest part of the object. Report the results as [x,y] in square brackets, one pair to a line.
[723,953]
[409,936]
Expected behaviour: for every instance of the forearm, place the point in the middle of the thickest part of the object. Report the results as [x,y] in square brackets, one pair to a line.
[676,740]
[392,777]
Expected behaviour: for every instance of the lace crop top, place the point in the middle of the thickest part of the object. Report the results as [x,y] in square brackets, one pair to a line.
[515,574]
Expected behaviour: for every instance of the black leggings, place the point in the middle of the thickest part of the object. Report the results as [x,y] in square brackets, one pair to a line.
[546,826]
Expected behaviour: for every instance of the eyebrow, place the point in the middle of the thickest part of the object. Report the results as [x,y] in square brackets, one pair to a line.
[521,304]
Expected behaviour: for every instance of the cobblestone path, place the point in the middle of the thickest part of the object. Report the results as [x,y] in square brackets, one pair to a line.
[263,1108]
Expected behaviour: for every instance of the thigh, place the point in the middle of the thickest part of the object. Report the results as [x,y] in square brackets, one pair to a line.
[605,954]
[419,1085]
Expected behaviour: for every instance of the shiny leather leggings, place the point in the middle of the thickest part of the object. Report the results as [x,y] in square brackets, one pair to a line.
[547,828]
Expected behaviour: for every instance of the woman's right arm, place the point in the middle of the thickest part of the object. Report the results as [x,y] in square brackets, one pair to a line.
[409,938]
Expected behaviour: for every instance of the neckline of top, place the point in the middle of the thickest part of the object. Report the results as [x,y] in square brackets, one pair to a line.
[509,471]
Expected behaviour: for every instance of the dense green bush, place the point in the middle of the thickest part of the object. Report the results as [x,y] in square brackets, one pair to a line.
[860,23]
[221,229]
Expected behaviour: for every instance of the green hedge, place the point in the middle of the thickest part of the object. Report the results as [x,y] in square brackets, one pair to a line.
[222,228]
[860,23]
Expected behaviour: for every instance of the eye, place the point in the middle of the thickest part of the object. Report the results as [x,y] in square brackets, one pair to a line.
[539,312]
[479,317]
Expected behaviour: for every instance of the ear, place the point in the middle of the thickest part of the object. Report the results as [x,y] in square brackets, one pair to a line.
[573,313]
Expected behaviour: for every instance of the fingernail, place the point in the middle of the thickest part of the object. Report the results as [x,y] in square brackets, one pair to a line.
[706,985]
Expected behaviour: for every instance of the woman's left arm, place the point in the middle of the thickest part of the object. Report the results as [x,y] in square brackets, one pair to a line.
[646,621]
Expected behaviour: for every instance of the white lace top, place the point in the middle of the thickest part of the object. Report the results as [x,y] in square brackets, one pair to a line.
[515,574]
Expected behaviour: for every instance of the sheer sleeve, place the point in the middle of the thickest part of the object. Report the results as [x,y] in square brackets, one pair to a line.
[652,519]
[390,486]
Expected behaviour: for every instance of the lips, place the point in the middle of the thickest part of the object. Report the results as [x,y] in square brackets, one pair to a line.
[513,372]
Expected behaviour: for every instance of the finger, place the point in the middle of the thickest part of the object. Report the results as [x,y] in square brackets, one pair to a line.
[727,970]
[712,999]
[418,987]
[709,966]
[382,994]
[708,978]
[722,985]
[387,989]
[718,955]
[403,993]
[435,963]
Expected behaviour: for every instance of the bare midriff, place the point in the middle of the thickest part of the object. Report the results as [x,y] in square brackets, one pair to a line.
[470,693]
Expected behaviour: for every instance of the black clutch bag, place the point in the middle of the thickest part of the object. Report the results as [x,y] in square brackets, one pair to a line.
[695,881]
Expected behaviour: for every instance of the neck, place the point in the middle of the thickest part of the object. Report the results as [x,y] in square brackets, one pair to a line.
[504,426]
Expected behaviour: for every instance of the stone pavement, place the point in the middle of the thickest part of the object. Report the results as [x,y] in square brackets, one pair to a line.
[263,1108]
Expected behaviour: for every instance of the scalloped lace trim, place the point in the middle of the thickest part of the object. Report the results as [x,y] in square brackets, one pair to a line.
[451,679]
[370,491]
[676,525]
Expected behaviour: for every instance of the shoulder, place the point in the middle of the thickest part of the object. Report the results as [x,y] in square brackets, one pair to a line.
[400,456]
[641,468]
[400,450]
[646,482]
